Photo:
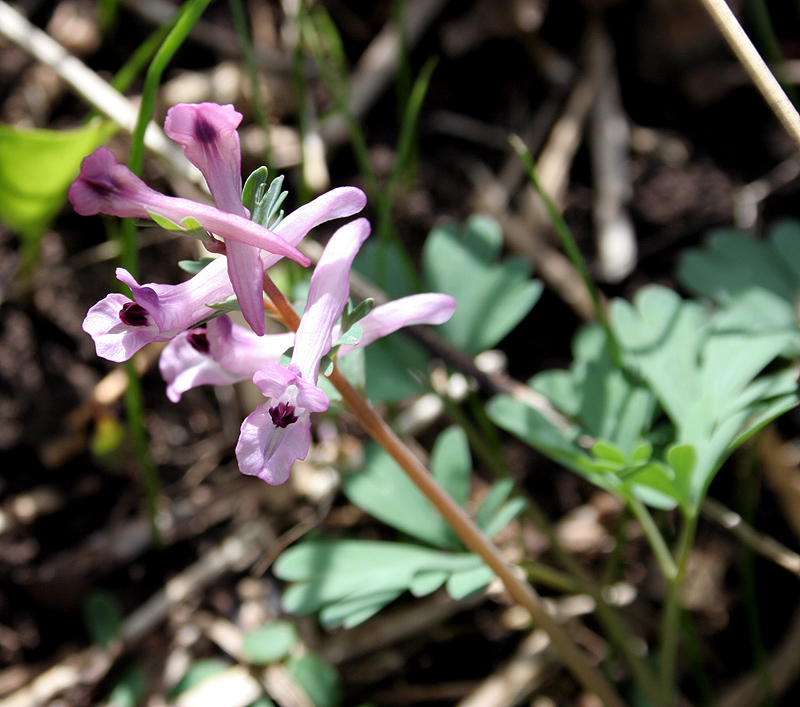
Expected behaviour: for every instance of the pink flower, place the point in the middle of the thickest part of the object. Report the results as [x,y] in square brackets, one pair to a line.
[219,353]
[105,186]
[207,133]
[120,327]
[277,433]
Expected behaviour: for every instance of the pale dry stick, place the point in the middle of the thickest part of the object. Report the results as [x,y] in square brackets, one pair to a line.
[609,144]
[472,537]
[89,86]
[755,66]
[91,664]
[517,679]
[555,160]
[762,543]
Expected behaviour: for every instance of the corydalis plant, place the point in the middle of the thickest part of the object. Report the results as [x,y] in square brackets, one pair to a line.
[208,348]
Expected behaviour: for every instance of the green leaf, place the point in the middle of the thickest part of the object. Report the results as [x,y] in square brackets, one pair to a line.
[704,369]
[194,266]
[103,617]
[264,203]
[36,169]
[351,336]
[350,580]
[394,367]
[384,491]
[198,672]
[269,643]
[451,463]
[318,678]
[463,584]
[230,304]
[189,226]
[493,297]
[761,276]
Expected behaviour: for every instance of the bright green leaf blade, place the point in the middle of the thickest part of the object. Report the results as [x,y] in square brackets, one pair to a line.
[269,643]
[36,169]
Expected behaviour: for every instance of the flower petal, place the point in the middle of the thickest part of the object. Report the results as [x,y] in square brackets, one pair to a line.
[327,296]
[104,186]
[428,308]
[268,452]
[183,367]
[207,133]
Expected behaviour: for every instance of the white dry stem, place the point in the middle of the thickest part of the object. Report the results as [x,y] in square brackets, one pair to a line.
[609,142]
[755,66]
[89,86]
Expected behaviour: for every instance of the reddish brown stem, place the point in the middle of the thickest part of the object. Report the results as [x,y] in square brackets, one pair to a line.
[470,534]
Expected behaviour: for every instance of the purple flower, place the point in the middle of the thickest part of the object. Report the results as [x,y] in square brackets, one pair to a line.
[120,326]
[277,433]
[219,353]
[164,311]
[235,354]
[207,133]
[105,186]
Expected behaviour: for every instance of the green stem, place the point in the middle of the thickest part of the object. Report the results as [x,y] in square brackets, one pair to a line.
[190,12]
[655,538]
[248,56]
[129,255]
[671,622]
[571,249]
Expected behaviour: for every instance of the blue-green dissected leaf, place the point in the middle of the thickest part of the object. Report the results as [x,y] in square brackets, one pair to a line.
[461,584]
[761,276]
[493,297]
[393,366]
[318,678]
[102,616]
[261,201]
[451,463]
[704,374]
[384,491]
[194,266]
[269,643]
[349,580]
[36,169]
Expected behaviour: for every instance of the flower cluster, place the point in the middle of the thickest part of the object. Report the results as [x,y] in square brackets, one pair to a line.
[205,346]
